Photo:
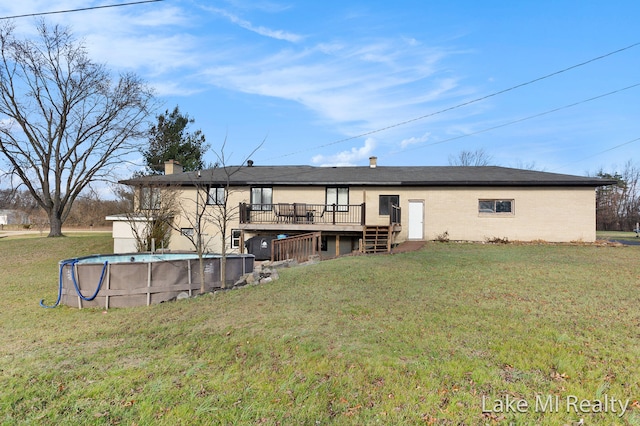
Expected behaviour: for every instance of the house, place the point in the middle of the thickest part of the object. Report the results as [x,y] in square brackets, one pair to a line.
[373,208]
[13,217]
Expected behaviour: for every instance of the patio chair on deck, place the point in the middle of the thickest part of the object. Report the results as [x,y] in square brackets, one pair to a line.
[284,212]
[304,212]
[301,212]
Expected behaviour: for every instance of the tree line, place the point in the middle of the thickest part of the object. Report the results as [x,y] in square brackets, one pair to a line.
[89,210]
[618,206]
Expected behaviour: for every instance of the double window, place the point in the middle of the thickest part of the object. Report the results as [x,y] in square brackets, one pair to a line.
[495,206]
[216,196]
[338,196]
[149,198]
[261,198]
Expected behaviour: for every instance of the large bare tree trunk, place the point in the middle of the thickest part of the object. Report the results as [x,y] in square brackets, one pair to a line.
[55,224]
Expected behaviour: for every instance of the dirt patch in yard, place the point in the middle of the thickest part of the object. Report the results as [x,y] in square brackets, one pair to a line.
[408,246]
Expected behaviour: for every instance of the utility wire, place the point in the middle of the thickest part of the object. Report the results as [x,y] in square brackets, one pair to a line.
[524,118]
[540,115]
[402,123]
[79,10]
[598,153]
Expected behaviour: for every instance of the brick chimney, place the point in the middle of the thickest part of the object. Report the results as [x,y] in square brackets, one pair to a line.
[172,167]
[373,162]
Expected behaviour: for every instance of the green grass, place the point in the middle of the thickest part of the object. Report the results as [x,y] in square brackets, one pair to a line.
[618,235]
[414,338]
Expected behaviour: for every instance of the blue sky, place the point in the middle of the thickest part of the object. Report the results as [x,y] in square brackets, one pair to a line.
[331,82]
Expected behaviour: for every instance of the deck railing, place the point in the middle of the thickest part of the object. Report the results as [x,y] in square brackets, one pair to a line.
[303,213]
[301,247]
[394,217]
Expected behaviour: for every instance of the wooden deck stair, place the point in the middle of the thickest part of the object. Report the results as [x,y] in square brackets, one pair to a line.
[376,239]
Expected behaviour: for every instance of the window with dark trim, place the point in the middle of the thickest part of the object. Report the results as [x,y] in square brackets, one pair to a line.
[216,196]
[495,206]
[187,232]
[149,198]
[339,196]
[385,203]
[261,198]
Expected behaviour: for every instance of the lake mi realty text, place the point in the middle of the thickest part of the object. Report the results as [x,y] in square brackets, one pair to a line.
[555,404]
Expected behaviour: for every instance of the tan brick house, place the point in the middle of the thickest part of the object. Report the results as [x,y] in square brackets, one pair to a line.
[373,208]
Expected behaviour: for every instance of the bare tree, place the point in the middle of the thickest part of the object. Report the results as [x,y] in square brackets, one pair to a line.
[618,206]
[150,218]
[479,157]
[531,165]
[212,207]
[20,201]
[91,209]
[64,121]
[195,215]
[225,213]
[7,198]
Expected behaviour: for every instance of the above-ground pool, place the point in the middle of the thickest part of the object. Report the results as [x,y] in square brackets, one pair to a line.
[139,279]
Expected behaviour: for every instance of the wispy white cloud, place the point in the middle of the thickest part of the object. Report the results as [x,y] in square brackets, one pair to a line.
[351,157]
[349,83]
[151,40]
[370,84]
[414,140]
[261,30]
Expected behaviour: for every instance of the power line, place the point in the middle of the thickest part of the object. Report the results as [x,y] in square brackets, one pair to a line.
[525,118]
[598,153]
[422,117]
[79,10]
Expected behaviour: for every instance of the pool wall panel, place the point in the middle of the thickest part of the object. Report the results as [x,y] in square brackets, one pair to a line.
[144,283]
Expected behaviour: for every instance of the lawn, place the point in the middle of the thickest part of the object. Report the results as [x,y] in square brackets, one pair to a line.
[628,236]
[452,334]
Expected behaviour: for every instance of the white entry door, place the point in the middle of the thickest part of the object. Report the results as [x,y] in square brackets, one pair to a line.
[416,220]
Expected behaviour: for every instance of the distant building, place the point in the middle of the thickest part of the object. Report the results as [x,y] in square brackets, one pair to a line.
[13,217]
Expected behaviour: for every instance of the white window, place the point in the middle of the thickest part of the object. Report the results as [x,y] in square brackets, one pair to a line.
[261,198]
[235,238]
[338,196]
[187,232]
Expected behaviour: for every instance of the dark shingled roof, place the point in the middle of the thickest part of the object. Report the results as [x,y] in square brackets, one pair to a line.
[368,176]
